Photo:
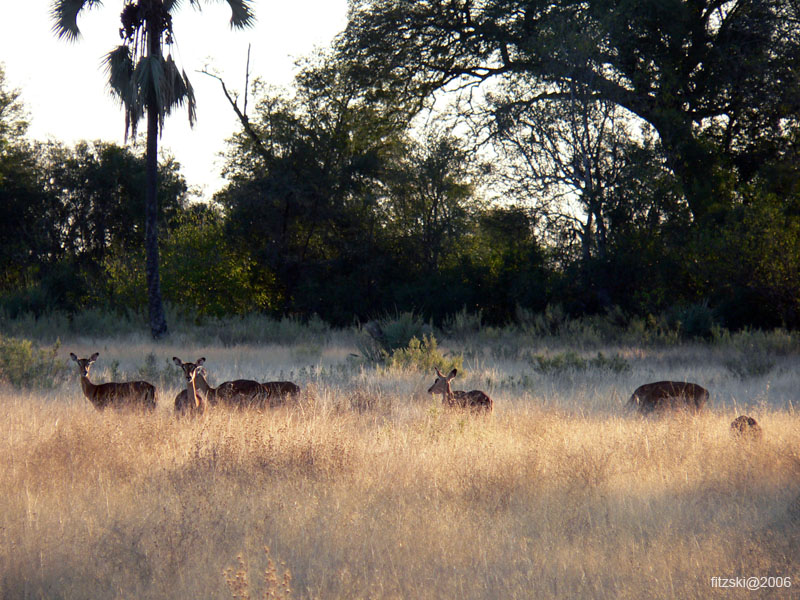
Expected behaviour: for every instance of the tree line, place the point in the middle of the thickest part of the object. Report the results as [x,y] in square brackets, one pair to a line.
[439,156]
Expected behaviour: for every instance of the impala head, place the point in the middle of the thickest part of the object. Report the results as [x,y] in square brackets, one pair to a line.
[442,383]
[190,370]
[84,364]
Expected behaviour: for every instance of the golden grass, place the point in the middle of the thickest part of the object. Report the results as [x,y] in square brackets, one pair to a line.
[366,488]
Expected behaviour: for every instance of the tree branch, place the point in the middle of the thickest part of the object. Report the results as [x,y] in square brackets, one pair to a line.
[248,128]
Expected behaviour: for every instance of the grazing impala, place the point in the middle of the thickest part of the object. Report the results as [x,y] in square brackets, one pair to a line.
[669,395]
[130,394]
[245,393]
[198,402]
[474,399]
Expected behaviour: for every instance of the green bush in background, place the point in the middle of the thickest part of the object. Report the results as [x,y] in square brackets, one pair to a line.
[24,364]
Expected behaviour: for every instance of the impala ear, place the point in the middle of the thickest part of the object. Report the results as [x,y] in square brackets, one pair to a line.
[73,357]
[94,356]
[452,373]
[438,372]
[177,361]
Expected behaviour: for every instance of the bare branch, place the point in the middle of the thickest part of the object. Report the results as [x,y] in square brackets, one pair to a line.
[248,128]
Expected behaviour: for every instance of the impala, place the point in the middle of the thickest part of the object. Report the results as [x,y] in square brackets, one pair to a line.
[278,390]
[669,395]
[119,395]
[474,399]
[243,393]
[198,402]
[239,393]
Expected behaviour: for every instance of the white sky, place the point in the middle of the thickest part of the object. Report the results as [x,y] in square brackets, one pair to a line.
[64,89]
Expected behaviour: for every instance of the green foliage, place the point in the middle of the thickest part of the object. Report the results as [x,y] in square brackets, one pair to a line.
[200,272]
[423,355]
[62,211]
[13,120]
[379,339]
[24,364]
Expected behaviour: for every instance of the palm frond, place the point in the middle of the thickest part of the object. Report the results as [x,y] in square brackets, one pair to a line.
[119,68]
[65,16]
[150,81]
[121,71]
[242,14]
[172,5]
[178,90]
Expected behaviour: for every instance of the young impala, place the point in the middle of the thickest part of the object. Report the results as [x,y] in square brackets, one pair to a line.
[669,395]
[474,399]
[129,394]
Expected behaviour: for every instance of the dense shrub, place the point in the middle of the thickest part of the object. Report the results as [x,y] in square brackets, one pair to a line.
[379,339]
[24,364]
[423,355]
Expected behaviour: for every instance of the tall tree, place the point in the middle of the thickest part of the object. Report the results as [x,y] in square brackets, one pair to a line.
[22,201]
[717,79]
[13,122]
[306,177]
[432,201]
[147,83]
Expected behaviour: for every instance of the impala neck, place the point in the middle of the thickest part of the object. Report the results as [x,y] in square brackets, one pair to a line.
[202,384]
[88,388]
[447,395]
[191,393]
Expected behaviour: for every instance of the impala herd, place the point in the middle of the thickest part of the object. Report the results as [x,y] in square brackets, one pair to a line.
[659,397]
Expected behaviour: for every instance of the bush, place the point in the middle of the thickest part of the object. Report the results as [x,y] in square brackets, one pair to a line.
[24,365]
[154,370]
[550,322]
[423,355]
[380,338]
[463,323]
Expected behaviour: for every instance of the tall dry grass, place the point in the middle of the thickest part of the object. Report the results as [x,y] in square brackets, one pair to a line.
[365,487]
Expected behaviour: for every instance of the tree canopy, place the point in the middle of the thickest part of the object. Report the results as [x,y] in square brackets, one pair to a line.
[718,80]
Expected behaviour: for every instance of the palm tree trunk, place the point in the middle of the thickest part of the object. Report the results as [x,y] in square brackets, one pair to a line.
[158,321]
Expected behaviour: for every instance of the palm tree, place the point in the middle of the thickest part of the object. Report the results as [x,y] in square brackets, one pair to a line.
[146,82]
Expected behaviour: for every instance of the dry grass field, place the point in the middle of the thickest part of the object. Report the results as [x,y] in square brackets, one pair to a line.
[364,487]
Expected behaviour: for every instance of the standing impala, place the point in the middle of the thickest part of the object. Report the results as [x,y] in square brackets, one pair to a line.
[474,399]
[127,394]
